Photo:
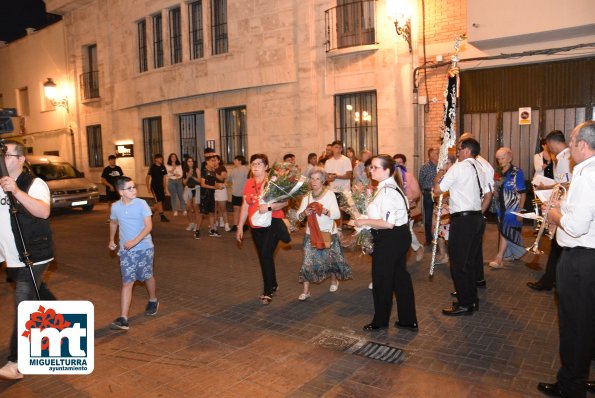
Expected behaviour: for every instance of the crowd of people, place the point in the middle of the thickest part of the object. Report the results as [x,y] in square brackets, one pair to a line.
[469,182]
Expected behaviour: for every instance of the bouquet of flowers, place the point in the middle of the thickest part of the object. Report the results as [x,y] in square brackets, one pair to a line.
[354,203]
[284,181]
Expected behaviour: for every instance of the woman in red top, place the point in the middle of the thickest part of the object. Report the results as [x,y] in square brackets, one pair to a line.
[265,238]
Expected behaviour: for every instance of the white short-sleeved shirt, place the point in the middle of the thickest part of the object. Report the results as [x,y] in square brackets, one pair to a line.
[388,204]
[577,226]
[461,181]
[340,167]
[562,169]
[8,248]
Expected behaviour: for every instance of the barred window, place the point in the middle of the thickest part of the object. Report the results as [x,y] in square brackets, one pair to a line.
[219,26]
[152,140]
[175,36]
[94,146]
[157,41]
[233,132]
[142,46]
[195,29]
[356,122]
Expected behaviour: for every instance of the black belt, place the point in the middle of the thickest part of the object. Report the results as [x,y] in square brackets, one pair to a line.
[578,248]
[465,213]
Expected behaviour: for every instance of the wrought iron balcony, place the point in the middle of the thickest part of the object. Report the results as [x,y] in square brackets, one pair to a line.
[349,25]
[89,85]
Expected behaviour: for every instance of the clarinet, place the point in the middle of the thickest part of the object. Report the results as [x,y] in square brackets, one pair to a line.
[447,133]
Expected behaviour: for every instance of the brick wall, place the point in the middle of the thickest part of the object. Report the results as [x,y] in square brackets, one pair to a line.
[443,19]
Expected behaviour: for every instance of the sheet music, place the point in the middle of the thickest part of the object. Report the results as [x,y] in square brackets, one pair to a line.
[544,195]
[530,216]
[539,179]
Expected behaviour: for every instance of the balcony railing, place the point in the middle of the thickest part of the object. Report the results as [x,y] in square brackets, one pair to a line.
[349,25]
[89,85]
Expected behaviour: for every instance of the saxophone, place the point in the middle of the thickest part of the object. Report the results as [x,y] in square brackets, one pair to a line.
[558,192]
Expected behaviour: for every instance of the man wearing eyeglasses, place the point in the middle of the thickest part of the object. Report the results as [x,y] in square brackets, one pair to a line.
[32,197]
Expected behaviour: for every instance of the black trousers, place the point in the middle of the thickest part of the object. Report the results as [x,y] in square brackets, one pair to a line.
[548,279]
[266,241]
[479,259]
[575,283]
[24,290]
[428,205]
[389,275]
[466,233]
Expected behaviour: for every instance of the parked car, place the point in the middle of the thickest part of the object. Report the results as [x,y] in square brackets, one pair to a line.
[68,186]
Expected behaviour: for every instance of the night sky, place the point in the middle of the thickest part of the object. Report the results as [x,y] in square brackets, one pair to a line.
[16,15]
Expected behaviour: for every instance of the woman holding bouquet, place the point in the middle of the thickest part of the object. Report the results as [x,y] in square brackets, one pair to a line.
[265,238]
[387,216]
[321,208]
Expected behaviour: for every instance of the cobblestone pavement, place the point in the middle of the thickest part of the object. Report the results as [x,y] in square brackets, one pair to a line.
[212,337]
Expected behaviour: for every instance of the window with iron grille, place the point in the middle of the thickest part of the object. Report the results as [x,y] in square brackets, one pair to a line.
[94,146]
[350,23]
[89,80]
[142,46]
[152,140]
[195,29]
[356,122]
[192,135]
[157,41]
[175,36]
[233,132]
[219,26]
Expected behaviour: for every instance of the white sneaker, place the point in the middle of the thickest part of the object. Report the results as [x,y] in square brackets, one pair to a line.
[221,222]
[175,213]
[191,227]
[303,296]
[334,287]
[10,371]
[371,286]
[227,227]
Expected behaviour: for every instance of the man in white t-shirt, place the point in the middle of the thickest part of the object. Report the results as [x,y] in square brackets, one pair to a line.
[32,197]
[339,171]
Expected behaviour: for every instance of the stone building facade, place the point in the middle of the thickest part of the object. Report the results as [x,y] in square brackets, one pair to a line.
[249,76]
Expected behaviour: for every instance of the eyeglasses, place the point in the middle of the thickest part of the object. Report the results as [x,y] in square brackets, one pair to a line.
[10,154]
[129,189]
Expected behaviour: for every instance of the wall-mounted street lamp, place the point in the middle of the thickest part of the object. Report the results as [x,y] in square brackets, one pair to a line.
[51,93]
[399,11]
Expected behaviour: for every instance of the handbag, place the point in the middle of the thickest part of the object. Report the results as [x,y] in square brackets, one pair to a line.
[327,237]
[262,219]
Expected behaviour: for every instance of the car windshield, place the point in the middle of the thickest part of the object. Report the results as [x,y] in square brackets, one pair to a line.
[55,171]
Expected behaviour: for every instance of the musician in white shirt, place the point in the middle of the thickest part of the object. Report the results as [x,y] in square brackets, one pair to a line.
[562,174]
[488,171]
[388,215]
[466,183]
[575,278]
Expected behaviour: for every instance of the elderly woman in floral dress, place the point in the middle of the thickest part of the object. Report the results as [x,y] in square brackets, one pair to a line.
[321,208]
[510,191]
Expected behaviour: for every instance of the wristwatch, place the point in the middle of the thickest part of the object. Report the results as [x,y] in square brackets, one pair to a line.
[270,208]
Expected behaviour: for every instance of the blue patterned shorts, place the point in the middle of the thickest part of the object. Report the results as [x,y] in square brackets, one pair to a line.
[136,265]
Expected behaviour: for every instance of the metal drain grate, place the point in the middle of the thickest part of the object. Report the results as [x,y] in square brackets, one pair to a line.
[381,352]
[352,344]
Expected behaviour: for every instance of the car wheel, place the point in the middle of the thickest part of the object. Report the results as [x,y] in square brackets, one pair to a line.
[87,207]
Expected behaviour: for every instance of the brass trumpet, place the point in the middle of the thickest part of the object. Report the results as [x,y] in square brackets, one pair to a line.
[558,192]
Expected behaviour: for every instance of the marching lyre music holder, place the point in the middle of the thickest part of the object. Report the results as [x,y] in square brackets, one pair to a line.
[448,133]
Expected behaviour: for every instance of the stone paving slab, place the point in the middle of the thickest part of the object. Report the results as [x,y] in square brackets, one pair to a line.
[211,336]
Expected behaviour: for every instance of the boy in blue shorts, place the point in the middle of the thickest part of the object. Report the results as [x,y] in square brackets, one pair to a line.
[133,216]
